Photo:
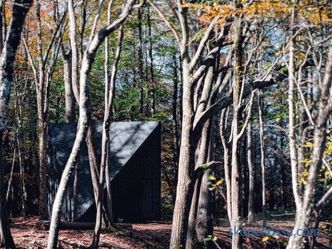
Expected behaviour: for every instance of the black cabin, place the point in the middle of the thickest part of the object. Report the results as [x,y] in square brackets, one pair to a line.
[135,171]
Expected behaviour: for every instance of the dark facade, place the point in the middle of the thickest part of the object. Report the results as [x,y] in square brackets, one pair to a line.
[135,171]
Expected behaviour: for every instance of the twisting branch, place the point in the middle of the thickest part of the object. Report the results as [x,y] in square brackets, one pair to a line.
[168,23]
[248,115]
[202,43]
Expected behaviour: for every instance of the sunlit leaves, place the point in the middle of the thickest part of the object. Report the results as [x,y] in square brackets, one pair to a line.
[265,238]
[214,182]
[210,238]
[303,178]
[325,172]
[315,13]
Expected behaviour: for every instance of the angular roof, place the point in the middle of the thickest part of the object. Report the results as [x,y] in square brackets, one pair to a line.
[126,138]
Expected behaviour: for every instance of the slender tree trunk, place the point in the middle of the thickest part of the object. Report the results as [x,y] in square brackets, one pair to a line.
[251,212]
[42,123]
[176,139]
[110,81]
[105,151]
[226,166]
[69,97]
[2,24]
[152,78]
[235,176]
[261,141]
[291,121]
[82,128]
[140,60]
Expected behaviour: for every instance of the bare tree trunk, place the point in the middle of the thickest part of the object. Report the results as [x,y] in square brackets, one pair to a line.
[74,49]
[67,77]
[291,121]
[261,141]
[18,108]
[226,166]
[176,139]
[204,226]
[110,81]
[82,128]
[235,185]
[251,212]
[194,220]
[140,60]
[105,151]
[152,79]
[2,24]
[186,160]
[7,58]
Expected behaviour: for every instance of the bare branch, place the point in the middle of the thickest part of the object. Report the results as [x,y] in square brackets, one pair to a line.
[202,43]
[168,24]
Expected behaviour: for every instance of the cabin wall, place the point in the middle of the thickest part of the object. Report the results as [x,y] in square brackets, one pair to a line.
[136,189]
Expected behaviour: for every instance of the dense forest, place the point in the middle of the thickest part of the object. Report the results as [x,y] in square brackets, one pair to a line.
[242,93]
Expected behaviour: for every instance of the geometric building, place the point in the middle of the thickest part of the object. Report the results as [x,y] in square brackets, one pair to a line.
[134,171]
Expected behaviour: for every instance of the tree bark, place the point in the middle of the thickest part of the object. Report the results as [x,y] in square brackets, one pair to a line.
[186,160]
[251,211]
[7,58]
[291,121]
[226,166]
[152,86]
[199,192]
[141,77]
[262,154]
[67,77]
[235,176]
[105,145]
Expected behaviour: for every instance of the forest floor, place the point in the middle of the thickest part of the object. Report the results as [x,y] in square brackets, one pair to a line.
[144,236]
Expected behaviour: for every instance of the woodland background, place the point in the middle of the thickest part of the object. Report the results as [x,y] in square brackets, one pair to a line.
[242,90]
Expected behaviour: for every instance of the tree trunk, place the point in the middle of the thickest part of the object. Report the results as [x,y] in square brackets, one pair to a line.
[7,59]
[199,191]
[204,226]
[251,212]
[152,79]
[69,97]
[186,160]
[140,60]
[105,145]
[226,166]
[235,176]
[261,141]
[291,121]
[176,139]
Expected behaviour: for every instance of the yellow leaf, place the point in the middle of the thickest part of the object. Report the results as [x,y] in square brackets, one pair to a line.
[302,181]
[212,178]
[221,181]
[265,238]
[309,145]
